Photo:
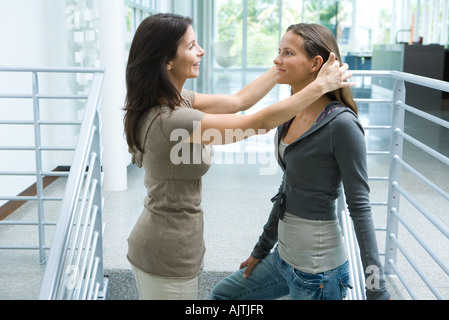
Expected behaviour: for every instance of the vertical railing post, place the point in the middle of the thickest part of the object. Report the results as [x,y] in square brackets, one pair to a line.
[39,178]
[396,148]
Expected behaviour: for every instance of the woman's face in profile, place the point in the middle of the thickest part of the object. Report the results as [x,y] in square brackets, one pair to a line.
[293,66]
[186,65]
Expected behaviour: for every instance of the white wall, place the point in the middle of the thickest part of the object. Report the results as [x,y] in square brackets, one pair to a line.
[38,33]
[32,33]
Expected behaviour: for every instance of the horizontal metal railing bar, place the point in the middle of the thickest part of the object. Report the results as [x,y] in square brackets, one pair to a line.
[377,127]
[361,101]
[380,204]
[371,73]
[57,148]
[42,123]
[378,178]
[44,96]
[421,177]
[59,123]
[416,267]
[16,148]
[25,223]
[423,147]
[402,278]
[378,153]
[16,96]
[24,248]
[421,209]
[29,198]
[420,80]
[420,241]
[16,122]
[18,173]
[33,173]
[423,114]
[56,174]
[30,148]
[63,97]
[33,223]
[51,69]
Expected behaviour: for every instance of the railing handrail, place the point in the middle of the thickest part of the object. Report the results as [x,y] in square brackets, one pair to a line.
[404,76]
[88,225]
[55,263]
[422,81]
[396,165]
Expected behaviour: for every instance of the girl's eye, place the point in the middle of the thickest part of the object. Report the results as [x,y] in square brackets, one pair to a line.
[285,52]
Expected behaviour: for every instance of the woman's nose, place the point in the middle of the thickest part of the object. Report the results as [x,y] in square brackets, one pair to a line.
[276,60]
[201,51]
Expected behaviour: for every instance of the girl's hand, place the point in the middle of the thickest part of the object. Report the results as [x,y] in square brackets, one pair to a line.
[249,263]
[332,76]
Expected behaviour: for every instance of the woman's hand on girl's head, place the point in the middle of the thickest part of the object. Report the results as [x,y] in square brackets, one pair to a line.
[333,76]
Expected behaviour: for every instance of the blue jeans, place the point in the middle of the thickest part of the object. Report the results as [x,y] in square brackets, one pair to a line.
[273,278]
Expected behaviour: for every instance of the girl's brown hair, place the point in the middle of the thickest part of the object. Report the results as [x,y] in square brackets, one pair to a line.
[319,41]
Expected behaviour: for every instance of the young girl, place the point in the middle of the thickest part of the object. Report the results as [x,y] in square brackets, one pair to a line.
[166,246]
[318,149]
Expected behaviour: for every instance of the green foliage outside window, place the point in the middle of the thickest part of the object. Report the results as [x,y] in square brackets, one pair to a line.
[264,27]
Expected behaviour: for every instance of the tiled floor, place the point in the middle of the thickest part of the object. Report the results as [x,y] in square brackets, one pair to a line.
[236,202]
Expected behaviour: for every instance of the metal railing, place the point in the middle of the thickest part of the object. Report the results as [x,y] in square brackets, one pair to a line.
[74,269]
[396,190]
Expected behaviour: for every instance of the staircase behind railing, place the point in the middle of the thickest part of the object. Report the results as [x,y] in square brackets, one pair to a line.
[74,268]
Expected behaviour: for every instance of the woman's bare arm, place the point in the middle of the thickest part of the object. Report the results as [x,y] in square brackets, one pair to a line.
[229,128]
[241,101]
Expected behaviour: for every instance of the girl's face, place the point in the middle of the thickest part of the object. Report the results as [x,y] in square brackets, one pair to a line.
[294,66]
[187,63]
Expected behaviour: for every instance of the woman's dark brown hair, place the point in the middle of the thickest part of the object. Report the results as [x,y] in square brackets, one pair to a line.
[155,43]
[319,41]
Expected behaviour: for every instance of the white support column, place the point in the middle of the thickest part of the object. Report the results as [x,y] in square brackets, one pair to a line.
[417,24]
[112,49]
[436,21]
[445,24]
[426,23]
[352,36]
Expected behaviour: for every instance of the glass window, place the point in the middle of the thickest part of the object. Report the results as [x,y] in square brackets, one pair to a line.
[137,10]
[263,19]
[229,31]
